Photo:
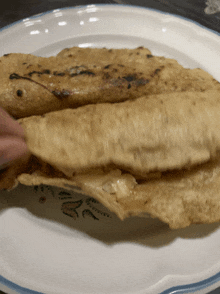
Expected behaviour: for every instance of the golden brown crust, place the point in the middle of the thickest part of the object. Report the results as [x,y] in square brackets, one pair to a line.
[179,198]
[154,133]
[32,85]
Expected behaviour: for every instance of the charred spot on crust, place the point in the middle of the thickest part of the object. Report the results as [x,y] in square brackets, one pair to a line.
[14,76]
[46,71]
[107,66]
[157,70]
[61,94]
[141,82]
[149,56]
[34,72]
[141,47]
[122,82]
[129,78]
[6,54]
[83,72]
[61,74]
[19,93]
[87,72]
[77,70]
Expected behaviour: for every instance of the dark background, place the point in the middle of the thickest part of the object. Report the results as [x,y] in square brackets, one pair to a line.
[12,11]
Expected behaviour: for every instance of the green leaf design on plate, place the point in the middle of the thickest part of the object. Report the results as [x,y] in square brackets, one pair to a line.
[87,212]
[69,208]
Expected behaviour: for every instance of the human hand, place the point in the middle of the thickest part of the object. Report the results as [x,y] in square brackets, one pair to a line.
[12,144]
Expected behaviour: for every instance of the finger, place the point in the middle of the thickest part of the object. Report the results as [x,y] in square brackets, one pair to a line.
[11,148]
[10,126]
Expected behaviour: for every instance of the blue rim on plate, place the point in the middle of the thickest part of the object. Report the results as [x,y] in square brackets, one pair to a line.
[183,289]
[190,288]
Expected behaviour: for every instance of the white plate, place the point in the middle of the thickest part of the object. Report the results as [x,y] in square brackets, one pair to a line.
[54,242]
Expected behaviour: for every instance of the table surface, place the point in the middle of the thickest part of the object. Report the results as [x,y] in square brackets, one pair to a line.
[205,12]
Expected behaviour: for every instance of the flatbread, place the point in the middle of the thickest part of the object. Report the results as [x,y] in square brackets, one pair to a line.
[32,85]
[154,133]
[156,155]
[178,198]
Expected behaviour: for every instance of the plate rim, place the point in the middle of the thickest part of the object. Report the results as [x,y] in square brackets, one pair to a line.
[181,289]
[34,16]
[193,287]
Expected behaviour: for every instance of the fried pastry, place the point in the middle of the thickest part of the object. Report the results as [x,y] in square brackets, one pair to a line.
[32,85]
[138,132]
[179,197]
[154,133]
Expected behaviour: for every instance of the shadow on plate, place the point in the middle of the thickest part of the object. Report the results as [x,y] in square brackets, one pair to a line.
[84,214]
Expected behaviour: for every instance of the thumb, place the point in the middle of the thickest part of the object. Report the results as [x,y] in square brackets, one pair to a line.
[11,148]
